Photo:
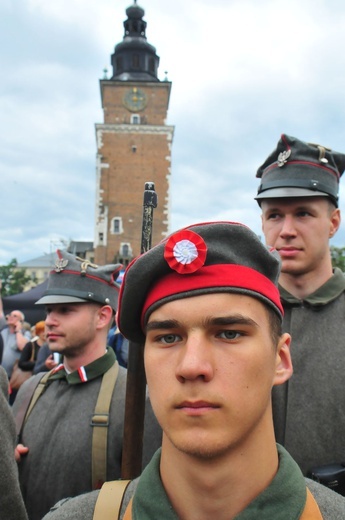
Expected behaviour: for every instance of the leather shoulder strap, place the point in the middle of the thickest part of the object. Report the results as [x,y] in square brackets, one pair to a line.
[110,499]
[100,423]
[311,509]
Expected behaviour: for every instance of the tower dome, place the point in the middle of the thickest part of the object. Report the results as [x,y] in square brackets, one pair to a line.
[134,58]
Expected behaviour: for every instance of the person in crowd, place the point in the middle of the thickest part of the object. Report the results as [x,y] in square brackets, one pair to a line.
[120,346]
[71,441]
[45,360]
[14,340]
[206,303]
[30,352]
[11,501]
[298,197]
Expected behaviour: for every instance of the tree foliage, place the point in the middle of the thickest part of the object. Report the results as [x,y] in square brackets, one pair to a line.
[13,279]
[338,257]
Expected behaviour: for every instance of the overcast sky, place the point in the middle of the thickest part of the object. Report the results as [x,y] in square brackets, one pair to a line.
[242,72]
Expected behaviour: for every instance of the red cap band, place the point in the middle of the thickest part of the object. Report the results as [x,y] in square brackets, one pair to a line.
[213,276]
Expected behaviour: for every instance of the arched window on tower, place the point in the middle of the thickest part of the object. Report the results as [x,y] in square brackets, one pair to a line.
[151,65]
[119,64]
[135,61]
[117,227]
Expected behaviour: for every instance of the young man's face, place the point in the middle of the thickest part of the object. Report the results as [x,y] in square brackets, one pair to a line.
[210,366]
[71,327]
[300,229]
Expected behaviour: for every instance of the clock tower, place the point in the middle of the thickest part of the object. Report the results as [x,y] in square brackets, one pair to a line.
[133,146]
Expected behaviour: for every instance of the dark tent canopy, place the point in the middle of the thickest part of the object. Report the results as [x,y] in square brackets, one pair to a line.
[25,302]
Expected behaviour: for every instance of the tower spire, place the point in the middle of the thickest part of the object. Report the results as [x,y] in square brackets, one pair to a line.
[134,58]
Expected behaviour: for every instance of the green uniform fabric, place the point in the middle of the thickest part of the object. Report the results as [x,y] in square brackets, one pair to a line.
[309,410]
[11,502]
[58,433]
[284,499]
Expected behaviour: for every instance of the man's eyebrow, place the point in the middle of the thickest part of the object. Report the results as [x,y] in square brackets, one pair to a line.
[234,319]
[162,325]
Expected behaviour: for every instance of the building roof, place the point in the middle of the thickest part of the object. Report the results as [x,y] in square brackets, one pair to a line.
[46,260]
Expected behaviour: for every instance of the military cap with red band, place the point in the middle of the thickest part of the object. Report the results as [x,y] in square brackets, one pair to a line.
[76,280]
[299,169]
[199,259]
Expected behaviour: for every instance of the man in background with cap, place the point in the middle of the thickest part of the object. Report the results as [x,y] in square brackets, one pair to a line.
[72,434]
[205,302]
[298,196]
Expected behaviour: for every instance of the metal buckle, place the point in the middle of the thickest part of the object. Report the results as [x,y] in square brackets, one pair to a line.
[100,419]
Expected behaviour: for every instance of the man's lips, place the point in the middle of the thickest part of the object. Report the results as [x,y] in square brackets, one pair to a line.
[53,336]
[288,251]
[197,407]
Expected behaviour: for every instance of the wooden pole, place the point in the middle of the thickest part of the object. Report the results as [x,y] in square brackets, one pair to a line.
[136,379]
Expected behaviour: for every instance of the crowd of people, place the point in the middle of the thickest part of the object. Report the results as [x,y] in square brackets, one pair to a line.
[243,356]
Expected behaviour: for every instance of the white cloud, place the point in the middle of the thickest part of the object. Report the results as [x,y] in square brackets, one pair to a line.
[243,72]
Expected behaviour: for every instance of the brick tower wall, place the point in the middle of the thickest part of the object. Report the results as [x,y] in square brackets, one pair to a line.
[128,155]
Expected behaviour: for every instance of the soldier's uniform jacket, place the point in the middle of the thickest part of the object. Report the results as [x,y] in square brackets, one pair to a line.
[284,499]
[309,410]
[58,433]
[11,502]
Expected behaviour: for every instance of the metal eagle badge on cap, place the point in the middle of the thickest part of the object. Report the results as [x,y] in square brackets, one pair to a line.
[60,264]
[283,157]
[185,252]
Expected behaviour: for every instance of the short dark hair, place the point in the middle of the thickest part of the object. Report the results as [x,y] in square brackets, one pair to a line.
[275,324]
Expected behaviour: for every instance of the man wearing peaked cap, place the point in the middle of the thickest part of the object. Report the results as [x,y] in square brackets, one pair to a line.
[298,196]
[299,169]
[205,302]
[72,435]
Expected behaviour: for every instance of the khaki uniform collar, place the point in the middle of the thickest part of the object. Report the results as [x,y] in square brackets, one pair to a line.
[85,373]
[328,292]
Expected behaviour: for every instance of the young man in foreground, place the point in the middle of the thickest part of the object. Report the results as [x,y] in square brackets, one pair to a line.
[205,302]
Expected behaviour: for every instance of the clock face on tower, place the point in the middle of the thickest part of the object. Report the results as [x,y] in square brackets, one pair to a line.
[135,99]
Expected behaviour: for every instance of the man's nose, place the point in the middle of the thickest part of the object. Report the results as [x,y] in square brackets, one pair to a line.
[50,319]
[288,226]
[196,359]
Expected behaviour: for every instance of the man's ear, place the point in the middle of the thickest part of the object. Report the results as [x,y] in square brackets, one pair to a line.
[284,367]
[105,316]
[335,221]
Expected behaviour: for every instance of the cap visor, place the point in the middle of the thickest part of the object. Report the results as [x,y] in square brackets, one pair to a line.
[59,299]
[281,193]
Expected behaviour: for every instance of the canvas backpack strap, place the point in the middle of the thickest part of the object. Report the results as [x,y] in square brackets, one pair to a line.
[311,510]
[100,423]
[37,393]
[33,390]
[109,501]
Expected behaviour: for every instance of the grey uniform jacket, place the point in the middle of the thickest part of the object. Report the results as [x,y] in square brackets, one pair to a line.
[309,410]
[11,502]
[58,433]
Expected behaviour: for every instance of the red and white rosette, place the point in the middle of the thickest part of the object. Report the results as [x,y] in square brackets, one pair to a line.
[185,252]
